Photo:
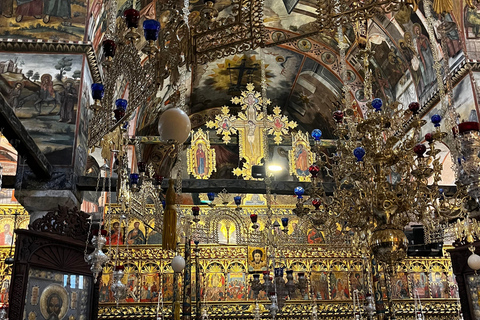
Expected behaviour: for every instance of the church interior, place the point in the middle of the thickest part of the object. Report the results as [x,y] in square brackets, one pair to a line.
[239,159]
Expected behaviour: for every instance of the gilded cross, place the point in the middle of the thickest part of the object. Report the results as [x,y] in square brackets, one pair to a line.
[250,125]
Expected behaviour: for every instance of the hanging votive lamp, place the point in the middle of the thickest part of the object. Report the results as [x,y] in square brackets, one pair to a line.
[151,28]
[420,149]
[284,222]
[377,104]
[131,18]
[121,109]
[436,119]
[316,203]
[414,107]
[97,94]
[359,153]
[211,196]
[195,213]
[314,170]
[338,116]
[109,48]
[134,179]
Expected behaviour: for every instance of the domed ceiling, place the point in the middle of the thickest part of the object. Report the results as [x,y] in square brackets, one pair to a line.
[303,65]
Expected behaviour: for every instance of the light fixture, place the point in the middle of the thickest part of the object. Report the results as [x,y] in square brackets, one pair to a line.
[274,168]
[178,263]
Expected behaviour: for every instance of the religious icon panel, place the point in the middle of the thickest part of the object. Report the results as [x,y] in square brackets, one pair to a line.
[53,295]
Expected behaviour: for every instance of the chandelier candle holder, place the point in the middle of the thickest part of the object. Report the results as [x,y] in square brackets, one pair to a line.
[118,288]
[321,214]
[277,289]
[385,181]
[97,258]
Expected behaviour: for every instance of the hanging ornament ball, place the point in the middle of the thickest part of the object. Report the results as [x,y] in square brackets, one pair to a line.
[377,104]
[436,118]
[299,191]
[316,134]
[414,107]
[174,124]
[359,153]
[420,149]
[474,261]
[338,116]
[314,170]
[178,263]
[9,260]
[429,137]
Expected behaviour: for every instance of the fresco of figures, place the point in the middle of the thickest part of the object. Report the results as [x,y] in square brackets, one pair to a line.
[43,90]
[43,19]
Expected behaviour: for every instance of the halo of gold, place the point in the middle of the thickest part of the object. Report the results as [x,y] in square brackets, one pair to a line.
[58,289]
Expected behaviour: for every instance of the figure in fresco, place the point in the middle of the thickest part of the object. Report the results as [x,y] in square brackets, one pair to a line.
[116,235]
[201,160]
[315,236]
[14,96]
[472,21]
[6,236]
[6,8]
[46,93]
[425,53]
[56,8]
[301,160]
[136,235]
[29,8]
[68,103]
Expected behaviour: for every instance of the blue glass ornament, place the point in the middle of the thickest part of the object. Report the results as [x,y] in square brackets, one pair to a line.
[238,200]
[164,204]
[279,272]
[284,222]
[211,196]
[134,178]
[121,104]
[316,134]
[196,242]
[151,28]
[436,118]
[97,91]
[125,125]
[377,104]
[299,191]
[359,153]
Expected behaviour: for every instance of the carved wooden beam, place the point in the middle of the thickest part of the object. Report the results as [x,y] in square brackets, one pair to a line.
[18,136]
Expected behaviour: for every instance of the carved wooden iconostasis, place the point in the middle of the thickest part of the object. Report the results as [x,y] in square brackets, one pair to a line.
[227,263]
[228,259]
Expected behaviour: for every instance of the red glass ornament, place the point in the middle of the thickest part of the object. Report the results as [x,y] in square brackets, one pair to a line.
[316,203]
[119,114]
[109,48]
[195,211]
[468,126]
[338,116]
[429,137]
[117,268]
[420,149]
[131,18]
[142,167]
[314,170]
[414,107]
[158,179]
[254,218]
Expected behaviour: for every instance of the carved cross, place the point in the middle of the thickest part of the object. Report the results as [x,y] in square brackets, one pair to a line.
[250,125]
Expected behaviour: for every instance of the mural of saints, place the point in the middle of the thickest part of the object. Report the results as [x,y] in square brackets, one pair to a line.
[201,158]
[300,157]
